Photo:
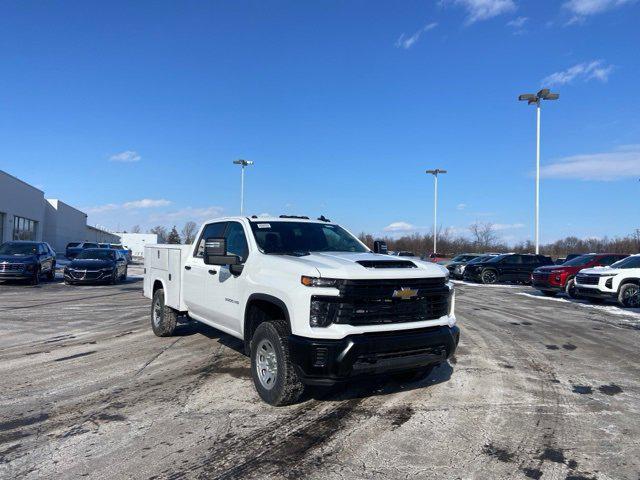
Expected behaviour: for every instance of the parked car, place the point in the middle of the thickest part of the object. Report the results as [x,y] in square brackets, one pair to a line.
[23,260]
[435,257]
[124,250]
[620,281]
[457,268]
[313,305]
[551,280]
[74,248]
[96,265]
[461,259]
[571,256]
[510,267]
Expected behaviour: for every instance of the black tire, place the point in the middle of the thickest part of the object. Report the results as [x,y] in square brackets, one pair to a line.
[67,282]
[35,280]
[163,319]
[114,277]
[548,293]
[629,295]
[414,375]
[51,275]
[570,288]
[124,275]
[270,348]
[489,277]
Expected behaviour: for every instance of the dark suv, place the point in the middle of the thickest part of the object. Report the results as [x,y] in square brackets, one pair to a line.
[558,278]
[21,260]
[510,267]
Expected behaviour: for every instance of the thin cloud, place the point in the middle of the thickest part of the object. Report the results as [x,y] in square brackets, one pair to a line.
[594,70]
[128,156]
[580,9]
[507,226]
[407,42]
[479,10]
[132,205]
[619,164]
[400,227]
[461,206]
[185,214]
[147,203]
[517,24]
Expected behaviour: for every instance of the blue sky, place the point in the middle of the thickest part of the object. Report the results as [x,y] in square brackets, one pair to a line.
[134,111]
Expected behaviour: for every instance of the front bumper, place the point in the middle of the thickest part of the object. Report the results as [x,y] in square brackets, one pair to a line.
[104,277]
[16,275]
[595,293]
[327,362]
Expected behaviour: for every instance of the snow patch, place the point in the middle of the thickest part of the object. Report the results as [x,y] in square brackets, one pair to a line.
[612,309]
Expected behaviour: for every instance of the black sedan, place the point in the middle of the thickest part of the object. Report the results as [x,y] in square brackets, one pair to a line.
[21,260]
[511,267]
[96,265]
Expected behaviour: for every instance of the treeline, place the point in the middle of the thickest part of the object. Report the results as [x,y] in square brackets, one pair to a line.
[186,235]
[483,238]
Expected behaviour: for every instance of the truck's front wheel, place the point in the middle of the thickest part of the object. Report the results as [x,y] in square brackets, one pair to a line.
[163,318]
[273,373]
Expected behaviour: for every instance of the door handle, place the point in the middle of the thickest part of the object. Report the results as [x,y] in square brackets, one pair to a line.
[187,267]
[212,272]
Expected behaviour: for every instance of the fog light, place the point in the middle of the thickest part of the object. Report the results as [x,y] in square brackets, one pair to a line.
[321,356]
[609,283]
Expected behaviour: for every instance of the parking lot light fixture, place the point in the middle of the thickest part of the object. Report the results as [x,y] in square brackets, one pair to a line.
[536,99]
[435,174]
[243,164]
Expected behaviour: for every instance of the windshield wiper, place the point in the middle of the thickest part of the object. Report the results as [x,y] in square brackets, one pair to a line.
[293,253]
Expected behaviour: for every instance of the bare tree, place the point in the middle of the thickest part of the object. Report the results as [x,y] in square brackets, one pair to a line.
[189,232]
[484,235]
[161,232]
[135,229]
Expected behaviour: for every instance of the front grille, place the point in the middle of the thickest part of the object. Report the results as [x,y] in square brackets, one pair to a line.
[585,279]
[372,302]
[11,267]
[85,274]
[540,278]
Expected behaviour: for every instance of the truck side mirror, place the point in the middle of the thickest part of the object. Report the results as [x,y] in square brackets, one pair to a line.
[380,246]
[215,252]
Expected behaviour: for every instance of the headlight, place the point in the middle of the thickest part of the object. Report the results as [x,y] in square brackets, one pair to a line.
[556,271]
[608,274]
[320,282]
[106,269]
[446,278]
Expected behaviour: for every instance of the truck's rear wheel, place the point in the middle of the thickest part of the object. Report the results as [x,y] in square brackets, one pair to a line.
[274,375]
[163,318]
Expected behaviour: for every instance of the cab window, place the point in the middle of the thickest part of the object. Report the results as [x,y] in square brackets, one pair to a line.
[212,230]
[237,241]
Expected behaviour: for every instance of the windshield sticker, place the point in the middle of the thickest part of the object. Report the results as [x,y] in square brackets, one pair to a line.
[264,225]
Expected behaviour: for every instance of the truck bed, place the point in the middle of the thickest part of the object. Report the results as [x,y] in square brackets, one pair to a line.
[164,263]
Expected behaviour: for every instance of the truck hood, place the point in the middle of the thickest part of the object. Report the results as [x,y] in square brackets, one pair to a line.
[344,265]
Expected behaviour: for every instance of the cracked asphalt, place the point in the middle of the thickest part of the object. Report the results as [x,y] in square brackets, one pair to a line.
[539,388]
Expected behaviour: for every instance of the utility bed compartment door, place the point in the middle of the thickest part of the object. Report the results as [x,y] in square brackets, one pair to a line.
[174,285]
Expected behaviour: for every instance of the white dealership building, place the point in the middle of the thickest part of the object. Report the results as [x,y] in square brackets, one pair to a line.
[25,214]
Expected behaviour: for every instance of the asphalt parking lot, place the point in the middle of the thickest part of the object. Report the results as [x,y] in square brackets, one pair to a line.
[539,388]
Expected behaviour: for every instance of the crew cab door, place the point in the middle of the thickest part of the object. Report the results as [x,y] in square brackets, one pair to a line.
[196,277]
[224,290]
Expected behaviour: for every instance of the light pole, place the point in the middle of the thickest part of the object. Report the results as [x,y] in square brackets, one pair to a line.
[544,94]
[435,174]
[243,163]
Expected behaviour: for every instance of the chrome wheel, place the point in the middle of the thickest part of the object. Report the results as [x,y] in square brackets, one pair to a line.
[631,295]
[266,364]
[157,313]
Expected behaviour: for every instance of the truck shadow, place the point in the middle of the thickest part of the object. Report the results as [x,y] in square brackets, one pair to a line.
[377,386]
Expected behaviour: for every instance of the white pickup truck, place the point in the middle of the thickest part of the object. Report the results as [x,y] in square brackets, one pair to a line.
[619,281]
[312,303]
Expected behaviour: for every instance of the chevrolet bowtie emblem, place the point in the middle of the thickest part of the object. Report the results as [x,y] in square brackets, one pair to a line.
[405,293]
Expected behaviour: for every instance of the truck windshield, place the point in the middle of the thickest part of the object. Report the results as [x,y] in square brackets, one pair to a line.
[303,237]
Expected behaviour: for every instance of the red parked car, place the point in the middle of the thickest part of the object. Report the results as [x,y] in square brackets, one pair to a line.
[553,279]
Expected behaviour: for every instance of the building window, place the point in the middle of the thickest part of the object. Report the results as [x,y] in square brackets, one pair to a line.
[24,229]
[1,227]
